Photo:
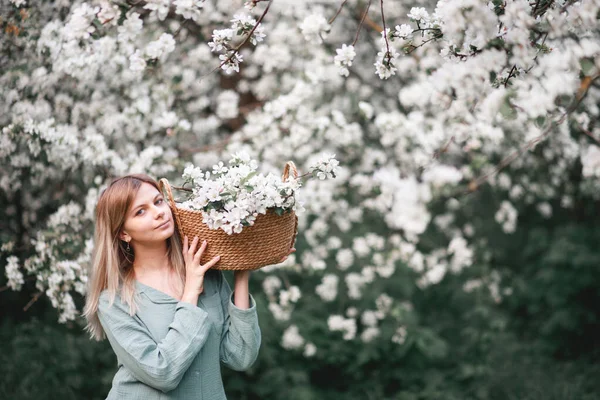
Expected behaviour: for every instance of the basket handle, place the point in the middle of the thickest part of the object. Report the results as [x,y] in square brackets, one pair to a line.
[164,185]
[290,166]
[286,171]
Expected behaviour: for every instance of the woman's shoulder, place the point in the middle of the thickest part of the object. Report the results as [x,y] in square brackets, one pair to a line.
[108,299]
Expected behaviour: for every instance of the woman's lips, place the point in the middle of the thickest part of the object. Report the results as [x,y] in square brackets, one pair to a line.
[163,225]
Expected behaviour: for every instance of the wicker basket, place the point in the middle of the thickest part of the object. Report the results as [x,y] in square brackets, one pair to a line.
[266,242]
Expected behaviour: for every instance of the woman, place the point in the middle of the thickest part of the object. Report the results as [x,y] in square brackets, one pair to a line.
[169,319]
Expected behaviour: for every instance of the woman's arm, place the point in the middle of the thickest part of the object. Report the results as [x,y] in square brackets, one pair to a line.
[241,338]
[159,365]
[241,291]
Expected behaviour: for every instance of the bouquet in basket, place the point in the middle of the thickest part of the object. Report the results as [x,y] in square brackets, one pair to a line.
[248,218]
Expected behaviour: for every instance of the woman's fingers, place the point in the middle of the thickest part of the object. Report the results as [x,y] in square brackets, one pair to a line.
[292,250]
[192,248]
[198,254]
[209,264]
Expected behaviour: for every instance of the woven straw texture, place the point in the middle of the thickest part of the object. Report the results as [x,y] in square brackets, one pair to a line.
[264,243]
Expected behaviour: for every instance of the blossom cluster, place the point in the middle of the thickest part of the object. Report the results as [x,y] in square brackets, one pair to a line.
[232,196]
[222,40]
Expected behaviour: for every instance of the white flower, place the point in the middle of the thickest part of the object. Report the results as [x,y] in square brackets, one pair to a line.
[14,276]
[227,104]
[19,3]
[439,175]
[418,14]
[328,288]
[386,63]
[189,9]
[545,209]
[462,254]
[384,303]
[309,350]
[590,159]
[369,318]
[325,167]
[271,284]
[159,7]
[231,62]
[346,325]
[404,31]
[163,46]
[109,13]
[279,313]
[221,39]
[343,59]
[131,27]
[507,217]
[369,334]
[344,258]
[244,24]
[355,283]
[289,296]
[80,24]
[137,62]
[292,339]
[315,28]
[400,335]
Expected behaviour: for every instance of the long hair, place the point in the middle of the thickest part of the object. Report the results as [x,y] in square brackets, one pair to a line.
[112,260]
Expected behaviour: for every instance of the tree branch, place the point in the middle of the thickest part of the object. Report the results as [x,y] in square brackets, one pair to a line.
[235,51]
[586,82]
[337,13]
[362,20]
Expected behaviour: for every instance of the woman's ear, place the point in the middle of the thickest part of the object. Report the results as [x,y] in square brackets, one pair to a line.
[124,237]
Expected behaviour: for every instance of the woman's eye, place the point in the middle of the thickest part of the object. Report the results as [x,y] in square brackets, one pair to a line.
[159,201]
[139,212]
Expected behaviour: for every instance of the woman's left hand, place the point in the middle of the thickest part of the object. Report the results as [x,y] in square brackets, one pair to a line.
[292,250]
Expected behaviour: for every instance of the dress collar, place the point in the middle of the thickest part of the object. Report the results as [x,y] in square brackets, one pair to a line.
[155,295]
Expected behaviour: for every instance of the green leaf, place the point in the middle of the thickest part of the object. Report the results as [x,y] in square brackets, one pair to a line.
[587,66]
[247,178]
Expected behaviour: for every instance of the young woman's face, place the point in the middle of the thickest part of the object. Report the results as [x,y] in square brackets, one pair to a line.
[149,218]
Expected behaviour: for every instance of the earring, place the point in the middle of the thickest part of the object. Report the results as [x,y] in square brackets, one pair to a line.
[128,248]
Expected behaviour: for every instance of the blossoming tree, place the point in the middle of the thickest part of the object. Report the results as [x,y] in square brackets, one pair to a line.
[422,102]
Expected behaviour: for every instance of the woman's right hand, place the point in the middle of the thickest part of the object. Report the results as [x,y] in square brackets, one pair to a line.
[194,272]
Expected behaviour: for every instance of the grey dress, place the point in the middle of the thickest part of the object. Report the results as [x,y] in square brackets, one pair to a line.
[171,349]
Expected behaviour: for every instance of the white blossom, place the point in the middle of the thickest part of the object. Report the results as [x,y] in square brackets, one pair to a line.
[189,9]
[328,288]
[19,3]
[292,339]
[343,59]
[161,47]
[159,7]
[345,325]
[14,276]
[315,28]
[590,159]
[400,335]
[507,217]
[137,62]
[309,350]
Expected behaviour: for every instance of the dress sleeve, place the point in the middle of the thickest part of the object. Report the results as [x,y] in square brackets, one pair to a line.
[241,338]
[159,365]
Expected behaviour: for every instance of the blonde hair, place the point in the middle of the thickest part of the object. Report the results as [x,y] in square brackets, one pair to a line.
[112,261]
